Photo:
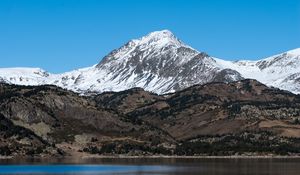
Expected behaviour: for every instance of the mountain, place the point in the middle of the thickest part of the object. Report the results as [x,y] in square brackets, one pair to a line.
[159,62]
[24,76]
[237,118]
[281,71]
[50,121]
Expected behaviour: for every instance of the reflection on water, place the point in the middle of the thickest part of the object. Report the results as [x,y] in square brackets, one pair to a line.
[82,169]
[153,166]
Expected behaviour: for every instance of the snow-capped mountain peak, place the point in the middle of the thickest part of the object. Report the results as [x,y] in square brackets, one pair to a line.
[158,62]
[281,70]
[158,35]
[162,63]
[158,39]
[150,48]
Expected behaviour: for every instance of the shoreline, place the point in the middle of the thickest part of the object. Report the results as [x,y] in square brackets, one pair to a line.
[152,157]
[186,157]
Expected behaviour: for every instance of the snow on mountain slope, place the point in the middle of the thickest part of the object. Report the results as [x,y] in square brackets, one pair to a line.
[161,63]
[24,76]
[158,62]
[281,71]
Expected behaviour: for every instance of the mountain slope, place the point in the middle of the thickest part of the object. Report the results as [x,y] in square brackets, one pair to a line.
[24,76]
[42,120]
[280,71]
[212,119]
[158,62]
[161,63]
[223,108]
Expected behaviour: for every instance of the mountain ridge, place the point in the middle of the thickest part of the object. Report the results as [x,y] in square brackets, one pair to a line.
[161,63]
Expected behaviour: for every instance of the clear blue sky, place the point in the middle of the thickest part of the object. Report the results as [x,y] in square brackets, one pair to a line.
[61,35]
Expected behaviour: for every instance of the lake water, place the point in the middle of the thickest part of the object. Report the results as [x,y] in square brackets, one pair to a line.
[154,166]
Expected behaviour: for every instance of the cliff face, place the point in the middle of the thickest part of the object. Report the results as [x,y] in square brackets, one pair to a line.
[211,119]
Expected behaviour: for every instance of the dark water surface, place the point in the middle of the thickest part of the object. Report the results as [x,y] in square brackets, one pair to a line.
[154,166]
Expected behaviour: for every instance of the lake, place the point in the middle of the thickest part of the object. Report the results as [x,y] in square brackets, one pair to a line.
[154,166]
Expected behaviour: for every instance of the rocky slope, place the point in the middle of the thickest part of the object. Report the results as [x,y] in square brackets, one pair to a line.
[159,62]
[55,118]
[243,117]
